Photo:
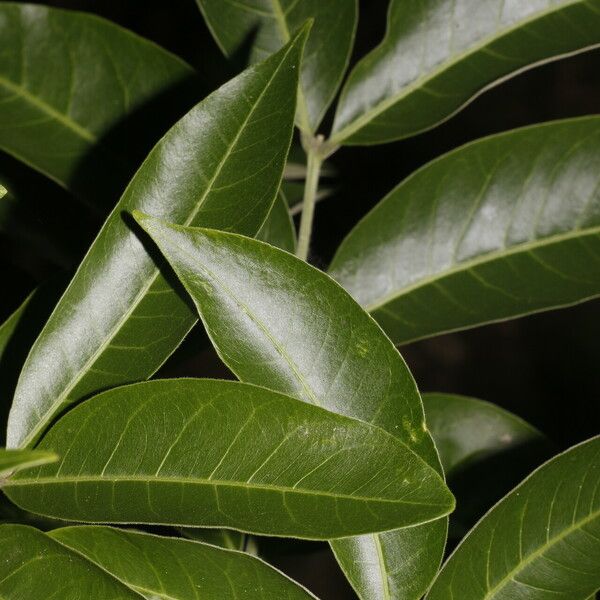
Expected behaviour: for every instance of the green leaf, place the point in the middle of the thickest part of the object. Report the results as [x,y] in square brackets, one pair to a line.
[437,56]
[101,74]
[264,26]
[101,562]
[289,327]
[314,473]
[119,319]
[541,541]
[485,451]
[224,538]
[500,228]
[278,230]
[467,430]
[15,460]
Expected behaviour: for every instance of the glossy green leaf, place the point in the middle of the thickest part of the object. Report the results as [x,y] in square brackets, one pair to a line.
[485,451]
[278,230]
[101,74]
[260,27]
[541,541]
[437,55]
[315,474]
[289,327]
[119,319]
[467,430]
[15,460]
[73,563]
[502,227]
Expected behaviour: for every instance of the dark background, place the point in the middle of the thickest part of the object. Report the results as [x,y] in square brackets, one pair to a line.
[543,368]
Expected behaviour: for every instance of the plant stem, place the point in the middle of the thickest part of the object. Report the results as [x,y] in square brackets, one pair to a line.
[311,187]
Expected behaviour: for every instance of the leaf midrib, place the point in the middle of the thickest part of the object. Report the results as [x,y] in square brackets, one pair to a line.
[62,118]
[539,552]
[481,260]
[363,120]
[152,279]
[16,483]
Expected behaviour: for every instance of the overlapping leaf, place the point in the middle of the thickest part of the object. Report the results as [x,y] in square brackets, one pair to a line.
[260,27]
[437,55]
[502,227]
[177,452]
[485,451]
[100,562]
[100,74]
[15,460]
[278,230]
[541,541]
[119,319]
[278,322]
[467,430]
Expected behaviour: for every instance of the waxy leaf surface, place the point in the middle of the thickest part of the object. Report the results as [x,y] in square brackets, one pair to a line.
[100,74]
[438,54]
[281,323]
[540,542]
[307,472]
[467,430]
[485,451]
[260,27]
[502,227]
[73,563]
[15,460]
[119,319]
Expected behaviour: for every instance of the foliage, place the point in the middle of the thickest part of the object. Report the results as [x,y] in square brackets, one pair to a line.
[325,435]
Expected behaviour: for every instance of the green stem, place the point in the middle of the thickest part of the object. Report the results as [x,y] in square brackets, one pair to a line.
[311,187]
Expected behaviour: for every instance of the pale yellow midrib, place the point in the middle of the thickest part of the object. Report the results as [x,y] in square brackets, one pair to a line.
[41,481]
[539,552]
[481,260]
[363,120]
[48,110]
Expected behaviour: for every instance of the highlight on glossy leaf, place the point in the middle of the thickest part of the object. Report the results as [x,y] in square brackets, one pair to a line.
[219,166]
[502,227]
[316,474]
[289,327]
[436,56]
[541,541]
[72,563]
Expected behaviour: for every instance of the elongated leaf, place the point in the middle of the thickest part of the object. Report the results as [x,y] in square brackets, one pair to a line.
[101,74]
[101,562]
[485,451]
[315,474]
[119,319]
[290,328]
[467,430]
[278,230]
[263,26]
[541,541]
[437,55]
[15,460]
[502,227]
